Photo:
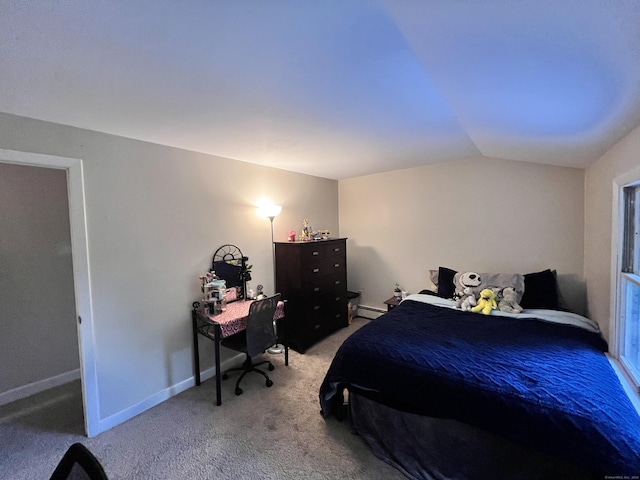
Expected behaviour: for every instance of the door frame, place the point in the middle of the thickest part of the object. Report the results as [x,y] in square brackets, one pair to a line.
[81,274]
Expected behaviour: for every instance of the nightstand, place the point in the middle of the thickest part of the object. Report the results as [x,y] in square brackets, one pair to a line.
[392,303]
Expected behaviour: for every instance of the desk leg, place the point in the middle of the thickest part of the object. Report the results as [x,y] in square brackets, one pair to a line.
[196,351]
[218,372]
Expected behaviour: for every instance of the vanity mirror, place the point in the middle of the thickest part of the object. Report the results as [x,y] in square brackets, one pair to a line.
[230,265]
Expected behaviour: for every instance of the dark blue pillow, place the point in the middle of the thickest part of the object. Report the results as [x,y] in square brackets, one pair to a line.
[446,288]
[540,290]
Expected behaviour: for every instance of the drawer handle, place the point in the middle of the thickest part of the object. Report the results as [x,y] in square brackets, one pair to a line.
[317,307]
[316,327]
[315,254]
[337,282]
[337,299]
[316,270]
[317,289]
[337,249]
[336,265]
[338,315]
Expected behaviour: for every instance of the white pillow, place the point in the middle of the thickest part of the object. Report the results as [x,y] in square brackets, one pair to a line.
[433,278]
[489,280]
[500,281]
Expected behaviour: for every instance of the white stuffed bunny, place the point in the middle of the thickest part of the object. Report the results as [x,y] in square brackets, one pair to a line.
[509,302]
[467,300]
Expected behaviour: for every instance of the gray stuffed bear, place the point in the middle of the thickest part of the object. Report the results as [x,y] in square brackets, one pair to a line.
[467,300]
[509,302]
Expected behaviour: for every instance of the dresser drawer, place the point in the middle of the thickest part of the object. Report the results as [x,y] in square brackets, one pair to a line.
[337,249]
[325,304]
[323,296]
[323,266]
[313,252]
[317,251]
[318,323]
[321,284]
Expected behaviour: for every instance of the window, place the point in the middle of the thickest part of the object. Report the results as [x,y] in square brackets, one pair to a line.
[629,283]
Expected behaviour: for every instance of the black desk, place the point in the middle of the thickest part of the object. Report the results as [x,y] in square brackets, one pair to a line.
[216,327]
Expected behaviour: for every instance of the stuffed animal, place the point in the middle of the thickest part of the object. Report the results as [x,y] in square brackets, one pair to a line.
[467,300]
[486,302]
[462,280]
[509,302]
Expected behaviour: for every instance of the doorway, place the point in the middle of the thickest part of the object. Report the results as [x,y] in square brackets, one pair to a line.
[81,279]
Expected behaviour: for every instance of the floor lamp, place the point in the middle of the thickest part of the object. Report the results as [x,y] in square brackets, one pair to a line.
[271,212]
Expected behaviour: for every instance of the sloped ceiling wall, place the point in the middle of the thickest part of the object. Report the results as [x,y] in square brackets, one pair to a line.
[334,89]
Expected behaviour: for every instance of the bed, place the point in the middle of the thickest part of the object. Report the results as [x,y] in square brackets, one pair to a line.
[440,394]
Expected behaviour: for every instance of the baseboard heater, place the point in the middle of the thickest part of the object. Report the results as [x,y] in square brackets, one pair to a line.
[376,311]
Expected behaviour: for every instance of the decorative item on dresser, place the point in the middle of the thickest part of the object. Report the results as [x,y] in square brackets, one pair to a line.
[312,276]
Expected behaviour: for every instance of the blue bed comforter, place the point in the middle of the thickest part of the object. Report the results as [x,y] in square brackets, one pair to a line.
[548,386]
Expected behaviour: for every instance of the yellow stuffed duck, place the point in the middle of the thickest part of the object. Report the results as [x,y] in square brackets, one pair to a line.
[486,302]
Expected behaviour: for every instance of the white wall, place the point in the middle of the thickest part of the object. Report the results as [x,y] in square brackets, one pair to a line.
[620,159]
[479,214]
[155,215]
[39,339]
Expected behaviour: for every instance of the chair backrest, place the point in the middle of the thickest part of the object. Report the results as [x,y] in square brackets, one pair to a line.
[260,332]
[79,463]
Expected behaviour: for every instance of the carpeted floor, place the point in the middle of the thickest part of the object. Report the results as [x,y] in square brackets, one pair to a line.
[265,433]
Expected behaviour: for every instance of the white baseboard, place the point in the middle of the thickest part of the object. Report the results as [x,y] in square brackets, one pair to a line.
[37,387]
[159,397]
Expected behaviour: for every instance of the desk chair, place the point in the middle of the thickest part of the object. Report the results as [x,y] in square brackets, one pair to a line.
[258,336]
[79,463]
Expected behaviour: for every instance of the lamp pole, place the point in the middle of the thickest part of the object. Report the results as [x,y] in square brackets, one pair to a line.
[273,254]
[277,348]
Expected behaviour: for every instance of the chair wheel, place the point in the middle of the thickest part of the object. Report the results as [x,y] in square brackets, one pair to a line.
[225,376]
[271,367]
[269,383]
[238,391]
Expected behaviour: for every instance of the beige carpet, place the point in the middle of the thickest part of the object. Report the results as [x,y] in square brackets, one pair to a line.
[265,433]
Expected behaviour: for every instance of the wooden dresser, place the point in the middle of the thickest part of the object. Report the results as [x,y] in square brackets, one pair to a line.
[312,277]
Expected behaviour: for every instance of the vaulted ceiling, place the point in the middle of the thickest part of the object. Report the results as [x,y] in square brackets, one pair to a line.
[333,88]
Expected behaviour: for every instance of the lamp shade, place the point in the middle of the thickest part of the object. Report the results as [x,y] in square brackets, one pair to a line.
[269,211]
